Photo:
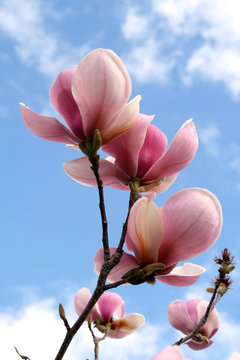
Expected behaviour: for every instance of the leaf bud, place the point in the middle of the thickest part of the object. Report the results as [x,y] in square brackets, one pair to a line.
[61,312]
[97,141]
[210,290]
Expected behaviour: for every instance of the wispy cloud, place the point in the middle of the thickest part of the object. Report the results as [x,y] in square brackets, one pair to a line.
[199,38]
[210,136]
[26,25]
[144,64]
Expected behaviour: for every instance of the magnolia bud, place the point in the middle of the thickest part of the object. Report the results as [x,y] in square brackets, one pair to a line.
[210,290]
[61,312]
[97,141]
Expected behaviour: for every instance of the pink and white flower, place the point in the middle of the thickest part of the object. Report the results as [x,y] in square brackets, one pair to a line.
[185,226]
[186,316]
[170,353]
[140,153]
[92,95]
[109,310]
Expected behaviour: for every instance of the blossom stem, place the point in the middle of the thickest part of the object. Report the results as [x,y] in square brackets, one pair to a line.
[94,160]
[134,196]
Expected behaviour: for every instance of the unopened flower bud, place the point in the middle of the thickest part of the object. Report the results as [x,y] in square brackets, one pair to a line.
[97,141]
[231,268]
[222,289]
[61,312]
[210,290]
[84,149]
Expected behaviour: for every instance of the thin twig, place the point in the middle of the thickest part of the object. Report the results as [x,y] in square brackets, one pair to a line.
[21,356]
[94,160]
[115,284]
[107,266]
[214,299]
[132,199]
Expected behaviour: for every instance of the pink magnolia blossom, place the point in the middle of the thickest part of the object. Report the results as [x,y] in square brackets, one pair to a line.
[185,226]
[90,96]
[140,153]
[170,353]
[109,310]
[185,317]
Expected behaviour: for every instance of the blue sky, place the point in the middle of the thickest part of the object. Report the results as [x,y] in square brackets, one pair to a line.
[184,59]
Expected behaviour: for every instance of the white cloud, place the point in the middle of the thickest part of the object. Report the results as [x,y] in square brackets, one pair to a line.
[25,24]
[36,330]
[204,36]
[135,26]
[210,136]
[144,63]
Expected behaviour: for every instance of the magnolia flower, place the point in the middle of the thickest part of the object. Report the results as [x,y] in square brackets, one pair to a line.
[187,225]
[140,154]
[170,353]
[90,96]
[108,312]
[186,316]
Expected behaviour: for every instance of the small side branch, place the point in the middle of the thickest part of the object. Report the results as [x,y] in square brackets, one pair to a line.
[214,299]
[221,285]
[21,356]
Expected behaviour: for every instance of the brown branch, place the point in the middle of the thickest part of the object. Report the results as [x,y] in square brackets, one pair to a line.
[107,266]
[134,196]
[94,160]
[114,285]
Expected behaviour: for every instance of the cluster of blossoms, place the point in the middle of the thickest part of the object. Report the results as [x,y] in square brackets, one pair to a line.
[93,100]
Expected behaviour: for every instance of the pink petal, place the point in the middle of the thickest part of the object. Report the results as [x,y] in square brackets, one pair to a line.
[127,325]
[110,303]
[153,148]
[47,127]
[213,322]
[194,345]
[101,86]
[192,310]
[184,275]
[80,301]
[170,353]
[63,101]
[127,262]
[125,149]
[122,121]
[80,171]
[145,231]
[179,318]
[179,154]
[192,223]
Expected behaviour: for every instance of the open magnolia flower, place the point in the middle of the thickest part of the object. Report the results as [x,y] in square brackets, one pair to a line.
[186,316]
[187,225]
[90,96]
[107,314]
[170,353]
[140,154]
